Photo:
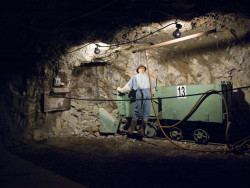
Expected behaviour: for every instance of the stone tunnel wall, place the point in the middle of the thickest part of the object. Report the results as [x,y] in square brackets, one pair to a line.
[224,56]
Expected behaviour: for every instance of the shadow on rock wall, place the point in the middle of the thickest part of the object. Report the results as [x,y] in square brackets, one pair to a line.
[240,115]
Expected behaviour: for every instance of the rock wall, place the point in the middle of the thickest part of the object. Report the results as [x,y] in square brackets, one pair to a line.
[223,56]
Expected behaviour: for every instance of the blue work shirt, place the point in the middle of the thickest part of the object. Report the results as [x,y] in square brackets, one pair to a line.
[140,81]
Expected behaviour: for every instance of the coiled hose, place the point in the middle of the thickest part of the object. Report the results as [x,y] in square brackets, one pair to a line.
[233,147]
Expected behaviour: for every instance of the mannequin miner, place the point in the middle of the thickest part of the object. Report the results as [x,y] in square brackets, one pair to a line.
[139,83]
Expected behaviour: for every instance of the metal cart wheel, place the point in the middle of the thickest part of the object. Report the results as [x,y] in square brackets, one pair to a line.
[150,131]
[176,133]
[201,136]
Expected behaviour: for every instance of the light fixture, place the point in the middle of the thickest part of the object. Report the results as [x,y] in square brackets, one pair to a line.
[97,50]
[177,33]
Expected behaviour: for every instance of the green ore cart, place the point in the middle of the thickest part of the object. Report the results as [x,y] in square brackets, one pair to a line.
[172,103]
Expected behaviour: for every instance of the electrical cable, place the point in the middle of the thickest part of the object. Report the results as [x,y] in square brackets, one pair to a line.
[127,42]
[114,100]
[78,48]
[137,38]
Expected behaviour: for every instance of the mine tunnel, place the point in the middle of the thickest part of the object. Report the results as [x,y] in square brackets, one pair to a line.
[64,124]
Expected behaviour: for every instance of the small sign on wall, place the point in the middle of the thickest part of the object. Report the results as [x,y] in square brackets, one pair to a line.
[181,92]
[57,100]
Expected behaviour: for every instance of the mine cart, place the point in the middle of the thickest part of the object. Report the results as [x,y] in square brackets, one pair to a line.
[172,103]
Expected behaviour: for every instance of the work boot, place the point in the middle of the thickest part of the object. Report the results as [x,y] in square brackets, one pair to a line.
[132,126]
[143,127]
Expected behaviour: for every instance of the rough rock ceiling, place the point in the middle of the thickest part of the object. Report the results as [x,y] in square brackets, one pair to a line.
[25,25]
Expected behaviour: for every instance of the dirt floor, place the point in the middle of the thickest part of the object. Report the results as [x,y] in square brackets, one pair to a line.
[119,161]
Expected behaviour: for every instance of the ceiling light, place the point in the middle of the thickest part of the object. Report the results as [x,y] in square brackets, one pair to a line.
[177,33]
[97,50]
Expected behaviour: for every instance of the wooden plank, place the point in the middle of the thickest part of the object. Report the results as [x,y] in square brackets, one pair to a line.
[176,40]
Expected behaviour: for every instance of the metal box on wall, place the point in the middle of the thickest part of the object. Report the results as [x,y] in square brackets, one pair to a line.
[57,100]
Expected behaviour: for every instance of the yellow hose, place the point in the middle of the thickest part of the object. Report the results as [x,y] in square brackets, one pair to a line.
[229,148]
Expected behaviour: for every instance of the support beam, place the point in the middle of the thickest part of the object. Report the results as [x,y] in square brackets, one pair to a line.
[176,40]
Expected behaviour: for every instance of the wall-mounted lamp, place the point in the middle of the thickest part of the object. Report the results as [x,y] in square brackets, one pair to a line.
[97,50]
[177,33]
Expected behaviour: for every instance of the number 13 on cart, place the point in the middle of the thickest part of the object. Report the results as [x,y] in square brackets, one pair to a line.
[181,92]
